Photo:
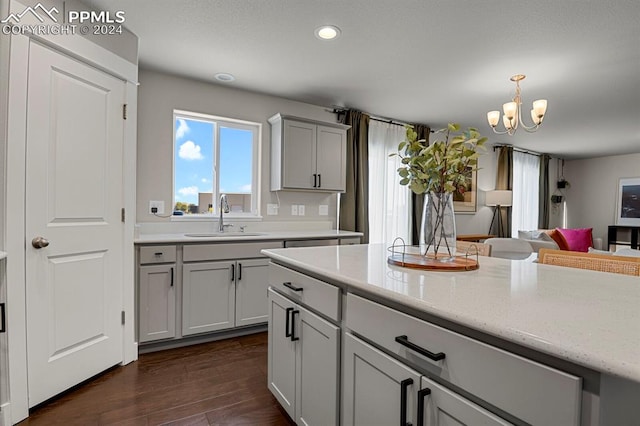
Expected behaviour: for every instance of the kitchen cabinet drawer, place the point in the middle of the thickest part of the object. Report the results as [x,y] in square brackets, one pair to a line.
[200,252]
[318,295]
[157,254]
[506,380]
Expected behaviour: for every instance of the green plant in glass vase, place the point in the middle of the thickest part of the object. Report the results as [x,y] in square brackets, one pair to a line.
[439,169]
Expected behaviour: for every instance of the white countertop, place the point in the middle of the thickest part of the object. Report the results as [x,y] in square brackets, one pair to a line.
[177,238]
[588,318]
[3,255]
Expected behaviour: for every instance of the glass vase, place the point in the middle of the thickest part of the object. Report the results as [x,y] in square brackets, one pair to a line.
[438,227]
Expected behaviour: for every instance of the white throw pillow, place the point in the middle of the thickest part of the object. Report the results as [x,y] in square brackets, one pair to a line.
[525,235]
[628,252]
[592,250]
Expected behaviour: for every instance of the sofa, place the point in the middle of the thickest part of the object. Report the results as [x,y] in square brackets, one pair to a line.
[553,239]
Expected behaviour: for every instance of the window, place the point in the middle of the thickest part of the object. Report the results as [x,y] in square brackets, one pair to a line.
[389,202]
[526,177]
[215,156]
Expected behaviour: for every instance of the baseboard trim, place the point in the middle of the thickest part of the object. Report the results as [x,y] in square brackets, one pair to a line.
[5,414]
[206,338]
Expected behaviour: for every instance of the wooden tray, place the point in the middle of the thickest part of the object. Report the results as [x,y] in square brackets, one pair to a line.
[459,263]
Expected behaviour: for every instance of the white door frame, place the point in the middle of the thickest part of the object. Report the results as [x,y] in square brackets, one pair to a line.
[15,238]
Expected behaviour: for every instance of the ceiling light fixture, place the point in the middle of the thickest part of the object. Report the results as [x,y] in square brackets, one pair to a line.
[327,32]
[224,77]
[512,117]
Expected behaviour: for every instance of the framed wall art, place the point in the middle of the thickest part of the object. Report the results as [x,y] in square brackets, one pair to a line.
[628,207]
[465,202]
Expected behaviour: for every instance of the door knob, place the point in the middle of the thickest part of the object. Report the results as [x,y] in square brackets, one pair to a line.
[39,242]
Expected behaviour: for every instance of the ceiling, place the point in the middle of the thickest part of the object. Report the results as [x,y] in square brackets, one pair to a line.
[426,61]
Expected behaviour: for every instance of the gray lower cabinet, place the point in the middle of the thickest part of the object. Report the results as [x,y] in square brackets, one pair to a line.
[303,368]
[157,300]
[208,297]
[379,390]
[225,294]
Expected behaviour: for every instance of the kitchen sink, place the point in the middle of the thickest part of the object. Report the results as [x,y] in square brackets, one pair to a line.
[224,234]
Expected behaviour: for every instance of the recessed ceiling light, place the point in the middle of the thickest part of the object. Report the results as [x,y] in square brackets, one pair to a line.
[327,32]
[224,77]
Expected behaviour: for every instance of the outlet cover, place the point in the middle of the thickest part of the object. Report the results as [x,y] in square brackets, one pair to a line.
[294,210]
[323,210]
[300,209]
[272,209]
[158,205]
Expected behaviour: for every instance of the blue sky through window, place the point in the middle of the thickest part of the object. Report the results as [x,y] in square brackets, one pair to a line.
[194,159]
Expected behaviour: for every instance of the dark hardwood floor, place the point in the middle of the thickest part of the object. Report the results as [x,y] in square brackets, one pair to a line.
[219,383]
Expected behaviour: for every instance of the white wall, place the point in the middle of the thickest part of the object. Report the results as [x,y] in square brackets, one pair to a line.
[159,94]
[592,198]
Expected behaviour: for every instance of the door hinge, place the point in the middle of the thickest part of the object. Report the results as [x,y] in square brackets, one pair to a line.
[124,111]
[122,214]
[122,317]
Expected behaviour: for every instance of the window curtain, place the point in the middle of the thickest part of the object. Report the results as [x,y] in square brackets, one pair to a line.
[417,200]
[354,202]
[543,201]
[504,180]
[389,202]
[526,180]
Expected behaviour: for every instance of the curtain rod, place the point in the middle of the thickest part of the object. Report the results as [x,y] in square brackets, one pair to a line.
[524,151]
[378,118]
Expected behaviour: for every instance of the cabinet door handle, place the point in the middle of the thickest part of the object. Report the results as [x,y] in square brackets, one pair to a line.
[319,180]
[287,324]
[233,272]
[239,271]
[3,319]
[293,326]
[421,395]
[404,341]
[292,287]
[171,283]
[315,180]
[403,401]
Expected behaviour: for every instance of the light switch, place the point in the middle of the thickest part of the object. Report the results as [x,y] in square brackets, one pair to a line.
[272,209]
[294,210]
[300,209]
[323,210]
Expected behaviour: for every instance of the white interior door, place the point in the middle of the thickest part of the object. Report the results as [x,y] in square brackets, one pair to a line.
[74,195]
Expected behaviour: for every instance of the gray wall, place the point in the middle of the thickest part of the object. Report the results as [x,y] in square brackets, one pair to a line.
[159,94]
[592,198]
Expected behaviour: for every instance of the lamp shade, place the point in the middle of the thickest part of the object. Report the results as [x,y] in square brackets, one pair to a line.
[499,197]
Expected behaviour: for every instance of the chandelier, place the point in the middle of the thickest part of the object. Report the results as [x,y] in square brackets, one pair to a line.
[512,118]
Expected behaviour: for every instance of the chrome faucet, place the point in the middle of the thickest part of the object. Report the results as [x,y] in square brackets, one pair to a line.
[224,208]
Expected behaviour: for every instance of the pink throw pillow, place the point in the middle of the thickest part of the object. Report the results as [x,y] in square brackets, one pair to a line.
[578,239]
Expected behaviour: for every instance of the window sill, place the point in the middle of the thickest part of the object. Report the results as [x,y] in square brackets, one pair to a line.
[215,218]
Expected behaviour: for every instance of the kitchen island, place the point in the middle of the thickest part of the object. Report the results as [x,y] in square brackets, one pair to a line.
[583,325]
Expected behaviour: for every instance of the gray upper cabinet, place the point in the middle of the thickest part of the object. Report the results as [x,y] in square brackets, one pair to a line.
[307,155]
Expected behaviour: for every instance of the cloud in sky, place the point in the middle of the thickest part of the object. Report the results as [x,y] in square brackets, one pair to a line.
[204,180]
[189,190]
[183,128]
[245,188]
[190,151]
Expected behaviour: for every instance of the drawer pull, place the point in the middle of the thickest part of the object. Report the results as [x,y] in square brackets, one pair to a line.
[403,401]
[421,395]
[404,341]
[3,327]
[293,326]
[292,287]
[287,324]
[158,253]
